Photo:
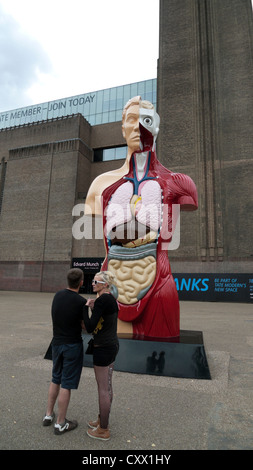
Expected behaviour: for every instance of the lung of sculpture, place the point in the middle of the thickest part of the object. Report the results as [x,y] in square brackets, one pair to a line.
[136,203]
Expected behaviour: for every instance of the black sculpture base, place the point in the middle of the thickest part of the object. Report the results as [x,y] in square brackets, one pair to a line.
[182,357]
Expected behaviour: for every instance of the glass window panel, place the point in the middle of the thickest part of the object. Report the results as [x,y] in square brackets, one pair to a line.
[113,99]
[127,94]
[120,95]
[115,153]
[92,119]
[44,114]
[107,94]
[25,119]
[108,154]
[120,91]
[105,117]
[85,104]
[111,117]
[106,101]
[118,116]
[113,93]
[141,89]
[134,89]
[113,105]
[99,118]
[106,105]
[99,104]
[53,109]
[93,103]
[149,96]
[120,152]
[149,85]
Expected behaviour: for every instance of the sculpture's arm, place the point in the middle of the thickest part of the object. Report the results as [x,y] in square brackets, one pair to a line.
[94,203]
[185,192]
[93,199]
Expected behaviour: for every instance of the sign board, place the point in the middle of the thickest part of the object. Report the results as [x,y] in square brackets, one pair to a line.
[211,287]
[88,265]
[84,104]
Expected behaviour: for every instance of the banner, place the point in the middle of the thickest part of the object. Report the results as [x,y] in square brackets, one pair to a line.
[215,287]
[88,265]
[84,104]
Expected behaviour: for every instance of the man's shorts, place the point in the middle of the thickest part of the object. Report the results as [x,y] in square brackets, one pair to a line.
[67,365]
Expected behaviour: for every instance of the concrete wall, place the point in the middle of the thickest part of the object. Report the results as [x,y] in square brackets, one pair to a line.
[205,102]
[40,190]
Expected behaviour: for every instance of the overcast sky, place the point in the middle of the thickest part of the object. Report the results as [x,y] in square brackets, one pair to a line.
[54,49]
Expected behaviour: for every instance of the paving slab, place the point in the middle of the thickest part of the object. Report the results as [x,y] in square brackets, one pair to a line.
[152,413]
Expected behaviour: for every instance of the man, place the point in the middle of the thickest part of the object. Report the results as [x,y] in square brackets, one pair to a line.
[67,350]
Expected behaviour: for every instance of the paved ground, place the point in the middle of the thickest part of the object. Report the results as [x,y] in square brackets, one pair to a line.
[151,413]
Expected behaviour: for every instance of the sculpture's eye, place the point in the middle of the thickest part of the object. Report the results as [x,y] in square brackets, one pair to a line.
[148,121]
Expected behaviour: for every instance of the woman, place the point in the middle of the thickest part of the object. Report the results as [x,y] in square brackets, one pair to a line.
[103,325]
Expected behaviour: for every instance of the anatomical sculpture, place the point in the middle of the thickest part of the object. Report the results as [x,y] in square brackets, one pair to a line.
[136,203]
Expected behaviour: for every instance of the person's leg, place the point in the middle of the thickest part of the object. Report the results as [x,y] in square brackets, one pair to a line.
[63,403]
[71,373]
[110,371]
[52,397]
[54,386]
[105,393]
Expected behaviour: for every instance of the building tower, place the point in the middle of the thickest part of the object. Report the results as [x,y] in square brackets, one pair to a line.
[205,100]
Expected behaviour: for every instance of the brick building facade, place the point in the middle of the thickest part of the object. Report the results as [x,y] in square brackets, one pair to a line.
[204,99]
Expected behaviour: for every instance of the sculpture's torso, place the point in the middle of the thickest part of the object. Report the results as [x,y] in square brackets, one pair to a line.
[137,214]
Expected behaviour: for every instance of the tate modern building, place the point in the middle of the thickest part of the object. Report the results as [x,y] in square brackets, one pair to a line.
[51,152]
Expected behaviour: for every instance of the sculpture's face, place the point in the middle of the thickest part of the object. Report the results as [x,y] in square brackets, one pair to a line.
[131,130]
[149,128]
[140,128]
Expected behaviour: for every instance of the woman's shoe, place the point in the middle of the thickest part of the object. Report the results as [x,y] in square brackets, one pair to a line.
[99,433]
[94,424]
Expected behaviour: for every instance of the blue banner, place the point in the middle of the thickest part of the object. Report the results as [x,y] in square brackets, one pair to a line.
[215,287]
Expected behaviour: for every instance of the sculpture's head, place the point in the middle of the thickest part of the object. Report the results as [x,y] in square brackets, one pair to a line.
[140,125]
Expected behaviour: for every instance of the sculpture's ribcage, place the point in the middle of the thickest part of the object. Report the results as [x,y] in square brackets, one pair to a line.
[145,207]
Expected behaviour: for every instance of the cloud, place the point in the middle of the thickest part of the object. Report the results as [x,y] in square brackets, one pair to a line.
[22,58]
[91,46]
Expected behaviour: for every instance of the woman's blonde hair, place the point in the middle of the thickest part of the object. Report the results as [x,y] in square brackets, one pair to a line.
[107,277]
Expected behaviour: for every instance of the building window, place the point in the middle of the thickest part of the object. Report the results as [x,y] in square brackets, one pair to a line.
[98,107]
[114,153]
[110,102]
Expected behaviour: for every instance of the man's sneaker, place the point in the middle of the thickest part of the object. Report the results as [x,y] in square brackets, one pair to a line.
[65,427]
[47,420]
[94,424]
[99,433]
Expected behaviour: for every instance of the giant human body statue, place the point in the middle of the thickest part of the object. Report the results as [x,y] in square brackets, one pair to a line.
[136,203]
